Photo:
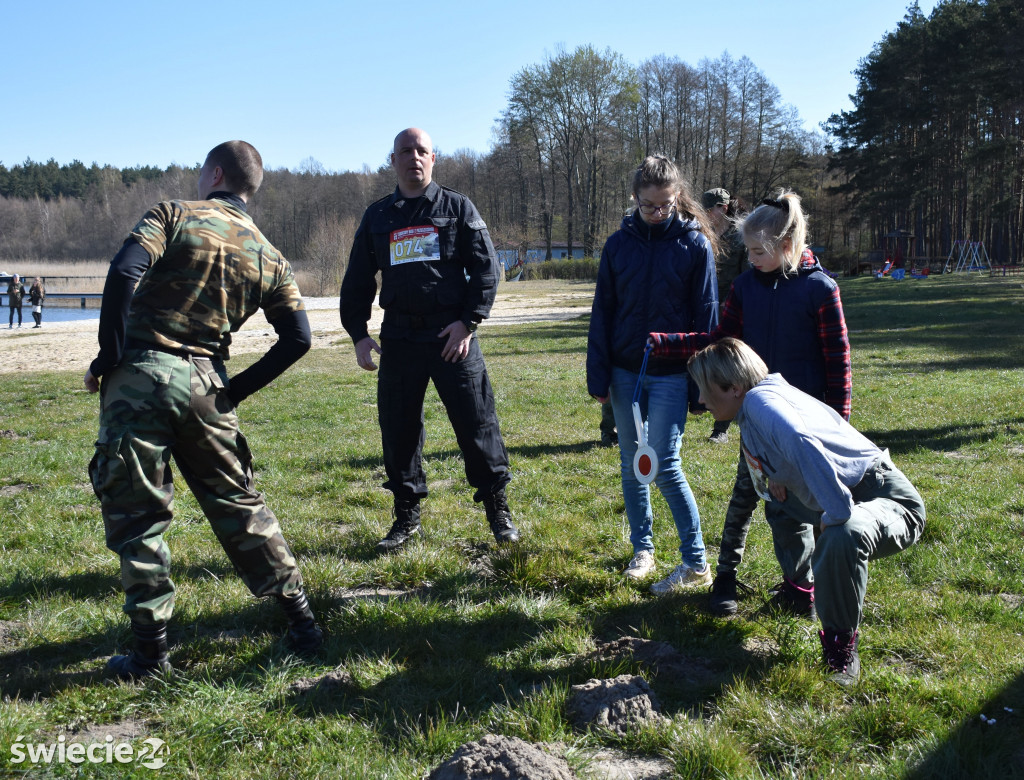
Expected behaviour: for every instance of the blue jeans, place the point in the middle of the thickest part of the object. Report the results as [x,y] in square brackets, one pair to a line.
[663,403]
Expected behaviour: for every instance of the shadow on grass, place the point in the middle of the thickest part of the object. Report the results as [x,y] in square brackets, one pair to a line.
[946,438]
[714,650]
[99,584]
[981,751]
[429,653]
[439,665]
[577,328]
[43,671]
[437,456]
[971,350]
[80,585]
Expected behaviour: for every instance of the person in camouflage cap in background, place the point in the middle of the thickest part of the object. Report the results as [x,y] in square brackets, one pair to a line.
[202,269]
[723,211]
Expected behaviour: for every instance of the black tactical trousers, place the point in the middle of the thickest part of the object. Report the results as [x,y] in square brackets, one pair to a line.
[465,391]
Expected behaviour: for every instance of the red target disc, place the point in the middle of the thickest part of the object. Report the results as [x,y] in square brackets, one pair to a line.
[645,464]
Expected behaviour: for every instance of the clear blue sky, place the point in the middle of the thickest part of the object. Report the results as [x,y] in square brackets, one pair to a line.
[135,83]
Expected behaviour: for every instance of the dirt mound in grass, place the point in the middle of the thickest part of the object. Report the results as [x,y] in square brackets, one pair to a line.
[621,704]
[502,758]
[660,657]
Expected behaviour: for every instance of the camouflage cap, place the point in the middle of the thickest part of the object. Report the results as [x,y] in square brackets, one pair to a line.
[712,198]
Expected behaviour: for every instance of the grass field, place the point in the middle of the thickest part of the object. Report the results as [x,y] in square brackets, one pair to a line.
[453,638]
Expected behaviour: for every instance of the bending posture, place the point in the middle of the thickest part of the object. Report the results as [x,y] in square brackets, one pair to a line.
[439,275]
[806,457]
[789,311]
[657,271]
[36,295]
[203,268]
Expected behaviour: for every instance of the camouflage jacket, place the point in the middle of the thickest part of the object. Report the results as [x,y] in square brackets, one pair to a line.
[731,261]
[210,270]
[15,293]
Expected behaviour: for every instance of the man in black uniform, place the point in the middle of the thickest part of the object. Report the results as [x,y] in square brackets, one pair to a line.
[439,275]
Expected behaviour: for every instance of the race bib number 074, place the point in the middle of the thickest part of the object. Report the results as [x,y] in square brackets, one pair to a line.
[415,245]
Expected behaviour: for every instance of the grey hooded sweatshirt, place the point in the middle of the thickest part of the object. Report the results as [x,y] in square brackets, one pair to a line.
[795,440]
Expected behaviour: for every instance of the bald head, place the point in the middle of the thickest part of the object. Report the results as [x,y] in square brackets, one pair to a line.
[413,135]
[413,161]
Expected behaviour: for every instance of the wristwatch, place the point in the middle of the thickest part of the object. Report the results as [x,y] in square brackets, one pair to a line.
[471,325]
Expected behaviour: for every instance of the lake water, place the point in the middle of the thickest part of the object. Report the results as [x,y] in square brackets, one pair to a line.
[50,314]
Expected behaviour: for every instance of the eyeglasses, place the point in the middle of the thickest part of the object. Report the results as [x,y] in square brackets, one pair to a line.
[664,209]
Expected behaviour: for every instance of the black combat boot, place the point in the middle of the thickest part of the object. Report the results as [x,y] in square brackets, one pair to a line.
[500,518]
[150,656]
[406,525]
[839,652]
[304,635]
[794,599]
[723,594]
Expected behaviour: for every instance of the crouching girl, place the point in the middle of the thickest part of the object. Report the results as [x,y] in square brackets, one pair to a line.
[796,445]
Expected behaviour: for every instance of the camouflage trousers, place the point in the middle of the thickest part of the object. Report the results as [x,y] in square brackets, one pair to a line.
[155,406]
[792,524]
[738,517]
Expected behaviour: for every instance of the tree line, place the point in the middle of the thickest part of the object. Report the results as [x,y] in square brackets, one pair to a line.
[932,146]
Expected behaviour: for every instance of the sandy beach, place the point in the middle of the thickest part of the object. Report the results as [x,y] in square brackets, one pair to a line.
[71,346]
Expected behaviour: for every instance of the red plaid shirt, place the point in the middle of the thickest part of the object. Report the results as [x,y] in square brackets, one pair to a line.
[831,324]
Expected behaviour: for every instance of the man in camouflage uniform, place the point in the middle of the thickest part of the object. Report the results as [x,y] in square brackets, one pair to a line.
[202,268]
[730,263]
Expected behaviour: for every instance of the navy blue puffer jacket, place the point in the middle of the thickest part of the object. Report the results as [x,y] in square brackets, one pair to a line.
[651,278]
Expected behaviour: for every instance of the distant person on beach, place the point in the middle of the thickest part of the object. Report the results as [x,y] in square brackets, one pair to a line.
[439,276]
[15,296]
[36,295]
[805,457]
[205,268]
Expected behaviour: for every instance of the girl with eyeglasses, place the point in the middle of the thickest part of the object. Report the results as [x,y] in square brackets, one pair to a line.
[657,272]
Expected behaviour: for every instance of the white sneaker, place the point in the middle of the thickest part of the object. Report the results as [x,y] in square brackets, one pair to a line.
[682,578]
[641,565]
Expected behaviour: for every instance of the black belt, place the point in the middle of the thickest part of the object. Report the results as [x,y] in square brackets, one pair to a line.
[131,343]
[432,320]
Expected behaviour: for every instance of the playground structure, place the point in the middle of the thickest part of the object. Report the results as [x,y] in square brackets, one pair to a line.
[899,259]
[514,273]
[969,256]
